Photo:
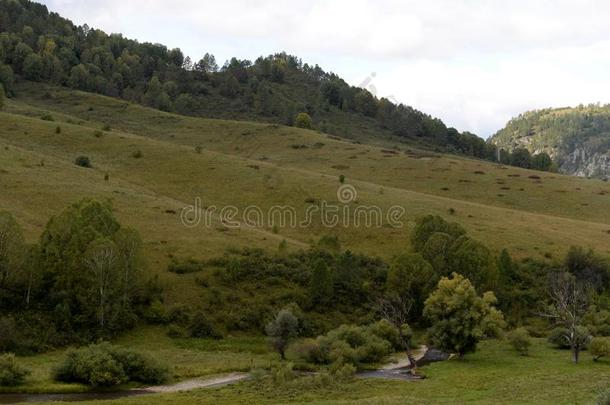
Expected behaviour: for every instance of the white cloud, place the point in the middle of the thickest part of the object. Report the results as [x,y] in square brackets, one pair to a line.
[472,63]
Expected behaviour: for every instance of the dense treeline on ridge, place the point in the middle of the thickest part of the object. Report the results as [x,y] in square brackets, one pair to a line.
[42,46]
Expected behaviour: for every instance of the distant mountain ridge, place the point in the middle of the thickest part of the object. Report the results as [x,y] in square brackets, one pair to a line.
[578,138]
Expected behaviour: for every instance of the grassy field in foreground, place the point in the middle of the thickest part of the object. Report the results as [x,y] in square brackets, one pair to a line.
[495,374]
[187,358]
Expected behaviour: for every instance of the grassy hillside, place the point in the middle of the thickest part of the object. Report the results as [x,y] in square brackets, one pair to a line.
[157,163]
[240,163]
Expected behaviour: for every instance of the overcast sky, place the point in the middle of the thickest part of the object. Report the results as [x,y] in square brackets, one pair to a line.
[473,63]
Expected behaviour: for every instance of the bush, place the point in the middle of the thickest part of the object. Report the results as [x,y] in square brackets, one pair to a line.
[303,120]
[520,340]
[156,313]
[94,366]
[58,130]
[558,338]
[137,154]
[353,345]
[140,368]
[185,266]
[307,350]
[105,365]
[47,117]
[83,161]
[600,347]
[201,327]
[11,374]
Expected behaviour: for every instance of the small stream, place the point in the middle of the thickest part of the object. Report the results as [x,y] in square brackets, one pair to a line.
[74,397]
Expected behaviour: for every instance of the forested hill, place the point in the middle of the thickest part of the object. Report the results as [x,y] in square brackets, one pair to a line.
[577,138]
[41,46]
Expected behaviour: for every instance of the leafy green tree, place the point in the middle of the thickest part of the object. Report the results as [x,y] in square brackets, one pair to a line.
[459,317]
[155,95]
[303,120]
[521,158]
[412,278]
[230,86]
[588,268]
[474,261]
[185,104]
[320,285]
[542,161]
[431,224]
[436,252]
[7,78]
[12,247]
[33,67]
[101,259]
[79,78]
[365,103]
[282,330]
[20,53]
[207,64]
[348,278]
[129,255]
[92,268]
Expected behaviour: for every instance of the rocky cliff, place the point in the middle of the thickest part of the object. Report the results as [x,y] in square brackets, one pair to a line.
[578,139]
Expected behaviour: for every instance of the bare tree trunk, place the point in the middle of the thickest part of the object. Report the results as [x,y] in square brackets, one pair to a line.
[409,352]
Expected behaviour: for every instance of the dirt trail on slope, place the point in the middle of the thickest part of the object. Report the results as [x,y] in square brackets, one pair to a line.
[196,383]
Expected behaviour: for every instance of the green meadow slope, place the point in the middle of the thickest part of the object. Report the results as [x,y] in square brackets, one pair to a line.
[153,164]
[244,164]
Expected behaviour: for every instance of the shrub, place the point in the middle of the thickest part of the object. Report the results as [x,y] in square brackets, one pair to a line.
[156,313]
[83,161]
[98,134]
[58,130]
[342,179]
[520,340]
[303,120]
[9,336]
[105,365]
[137,154]
[600,347]
[140,368]
[185,266]
[354,345]
[307,350]
[93,366]
[201,327]
[106,127]
[558,338]
[282,330]
[373,350]
[11,374]
[47,117]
